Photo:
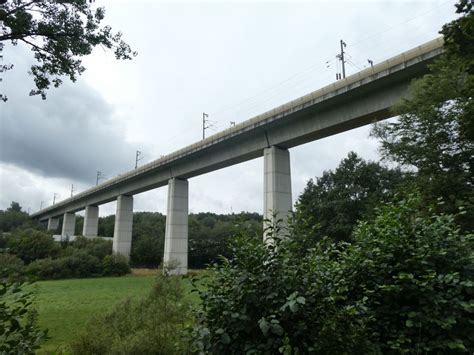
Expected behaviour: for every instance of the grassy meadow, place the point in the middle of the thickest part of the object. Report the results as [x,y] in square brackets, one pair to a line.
[65,306]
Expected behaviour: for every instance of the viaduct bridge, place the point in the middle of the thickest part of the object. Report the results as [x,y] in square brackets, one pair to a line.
[357,100]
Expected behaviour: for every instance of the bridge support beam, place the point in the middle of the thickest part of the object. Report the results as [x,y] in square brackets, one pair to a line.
[122,243]
[277,188]
[91,222]
[69,224]
[53,223]
[176,234]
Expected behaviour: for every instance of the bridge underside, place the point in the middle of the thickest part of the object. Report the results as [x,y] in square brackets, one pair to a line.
[358,100]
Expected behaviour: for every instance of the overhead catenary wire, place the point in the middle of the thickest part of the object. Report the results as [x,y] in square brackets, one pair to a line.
[261,100]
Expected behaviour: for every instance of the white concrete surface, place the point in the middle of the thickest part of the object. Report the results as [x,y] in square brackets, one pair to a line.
[176,234]
[53,223]
[123,226]
[277,188]
[69,224]
[91,222]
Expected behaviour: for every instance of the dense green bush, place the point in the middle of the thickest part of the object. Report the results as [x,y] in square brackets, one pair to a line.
[265,300]
[97,247]
[4,237]
[30,245]
[80,264]
[11,266]
[19,333]
[147,250]
[404,285]
[153,326]
[115,265]
[414,274]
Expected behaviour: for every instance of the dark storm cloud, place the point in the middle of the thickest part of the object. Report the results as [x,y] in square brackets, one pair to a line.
[71,134]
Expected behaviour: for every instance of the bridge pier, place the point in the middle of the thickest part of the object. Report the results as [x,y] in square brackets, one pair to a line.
[277,188]
[91,222]
[176,234]
[53,223]
[69,224]
[122,243]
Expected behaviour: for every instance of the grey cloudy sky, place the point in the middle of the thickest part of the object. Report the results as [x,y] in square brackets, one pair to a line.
[232,60]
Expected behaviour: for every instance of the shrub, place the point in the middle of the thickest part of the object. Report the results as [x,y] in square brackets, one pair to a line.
[80,264]
[30,244]
[4,238]
[147,251]
[11,266]
[44,269]
[115,265]
[153,326]
[97,247]
[404,285]
[415,275]
[19,333]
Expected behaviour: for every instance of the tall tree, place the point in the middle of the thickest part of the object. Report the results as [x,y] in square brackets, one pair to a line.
[58,33]
[434,133]
[332,205]
[14,207]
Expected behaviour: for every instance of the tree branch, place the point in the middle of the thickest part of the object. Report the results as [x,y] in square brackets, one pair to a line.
[35,46]
[21,7]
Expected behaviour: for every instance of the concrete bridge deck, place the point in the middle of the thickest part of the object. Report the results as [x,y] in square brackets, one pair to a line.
[359,99]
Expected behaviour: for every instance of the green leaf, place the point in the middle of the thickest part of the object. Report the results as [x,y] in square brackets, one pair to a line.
[456,344]
[264,326]
[225,339]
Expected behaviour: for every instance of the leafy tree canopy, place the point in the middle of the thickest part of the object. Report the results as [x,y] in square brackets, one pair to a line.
[59,33]
[338,199]
[435,130]
[13,217]
[14,207]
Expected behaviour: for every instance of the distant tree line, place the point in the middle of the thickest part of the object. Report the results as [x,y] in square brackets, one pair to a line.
[209,233]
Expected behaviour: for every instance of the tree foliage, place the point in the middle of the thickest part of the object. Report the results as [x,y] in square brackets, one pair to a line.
[13,217]
[434,133]
[58,33]
[19,332]
[404,285]
[30,244]
[332,205]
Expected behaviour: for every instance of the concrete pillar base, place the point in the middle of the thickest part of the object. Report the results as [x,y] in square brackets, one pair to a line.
[277,190]
[122,243]
[91,222]
[69,224]
[175,257]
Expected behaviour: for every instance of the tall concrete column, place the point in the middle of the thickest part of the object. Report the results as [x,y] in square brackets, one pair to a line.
[53,223]
[91,222]
[277,187]
[69,224]
[122,243]
[176,234]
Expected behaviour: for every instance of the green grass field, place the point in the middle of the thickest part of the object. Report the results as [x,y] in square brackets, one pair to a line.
[65,306]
